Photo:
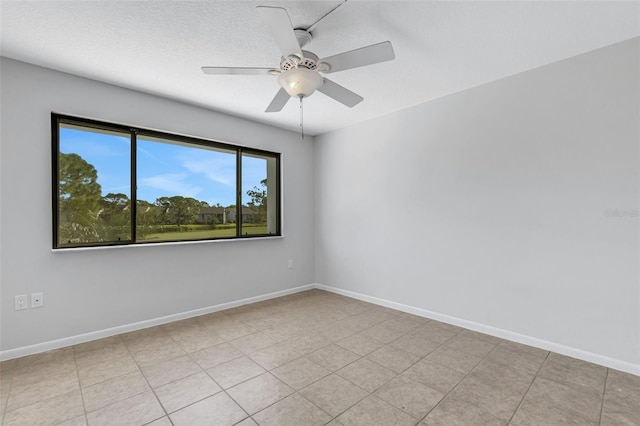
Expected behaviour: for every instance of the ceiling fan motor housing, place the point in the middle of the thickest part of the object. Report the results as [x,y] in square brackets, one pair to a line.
[308,61]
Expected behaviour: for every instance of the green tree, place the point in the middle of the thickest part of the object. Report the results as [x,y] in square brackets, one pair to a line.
[163,204]
[118,201]
[114,205]
[79,196]
[148,217]
[179,210]
[115,213]
[258,201]
[78,189]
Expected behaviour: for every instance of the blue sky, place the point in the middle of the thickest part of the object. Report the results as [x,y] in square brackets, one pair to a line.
[163,169]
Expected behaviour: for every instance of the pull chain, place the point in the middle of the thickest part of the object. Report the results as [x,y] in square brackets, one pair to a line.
[301,120]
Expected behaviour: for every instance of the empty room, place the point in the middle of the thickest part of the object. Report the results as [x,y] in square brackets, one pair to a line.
[337,212]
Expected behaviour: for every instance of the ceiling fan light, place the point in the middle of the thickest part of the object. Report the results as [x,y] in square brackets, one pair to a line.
[300,82]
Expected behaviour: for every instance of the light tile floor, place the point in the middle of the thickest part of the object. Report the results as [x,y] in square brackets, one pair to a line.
[312,358]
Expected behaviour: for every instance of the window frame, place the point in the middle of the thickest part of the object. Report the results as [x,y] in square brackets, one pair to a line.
[134,132]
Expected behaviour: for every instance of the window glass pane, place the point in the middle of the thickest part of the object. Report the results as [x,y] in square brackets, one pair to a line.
[184,191]
[94,180]
[259,204]
[184,188]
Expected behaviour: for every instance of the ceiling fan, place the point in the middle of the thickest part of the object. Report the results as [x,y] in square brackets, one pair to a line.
[299,73]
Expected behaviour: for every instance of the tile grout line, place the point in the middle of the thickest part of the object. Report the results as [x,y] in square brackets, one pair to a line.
[250,416]
[421,359]
[528,388]
[358,401]
[297,312]
[460,381]
[365,357]
[240,405]
[222,389]
[203,370]
[6,402]
[346,365]
[331,372]
[147,382]
[249,357]
[604,394]
[139,367]
[315,405]
[562,383]
[92,363]
[75,364]
[70,348]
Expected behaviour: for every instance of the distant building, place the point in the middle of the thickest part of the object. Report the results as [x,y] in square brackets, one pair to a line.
[211,215]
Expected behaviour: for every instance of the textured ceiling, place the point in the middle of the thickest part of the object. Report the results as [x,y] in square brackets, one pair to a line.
[441,47]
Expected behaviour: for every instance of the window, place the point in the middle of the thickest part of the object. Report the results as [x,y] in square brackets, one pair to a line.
[115,185]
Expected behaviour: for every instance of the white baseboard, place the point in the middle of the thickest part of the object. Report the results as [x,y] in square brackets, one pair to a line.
[497,332]
[493,331]
[87,337]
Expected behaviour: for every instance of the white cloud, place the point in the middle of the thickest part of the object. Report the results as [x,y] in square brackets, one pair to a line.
[171,183]
[221,170]
[149,154]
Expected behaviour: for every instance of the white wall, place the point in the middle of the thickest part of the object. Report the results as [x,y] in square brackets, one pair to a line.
[489,205]
[92,290]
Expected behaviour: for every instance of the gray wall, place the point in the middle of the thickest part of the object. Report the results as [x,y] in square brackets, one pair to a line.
[490,205]
[92,290]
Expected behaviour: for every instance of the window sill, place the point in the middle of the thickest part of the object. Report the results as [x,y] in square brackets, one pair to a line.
[168,243]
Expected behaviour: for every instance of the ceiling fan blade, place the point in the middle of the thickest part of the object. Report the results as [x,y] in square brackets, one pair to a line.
[236,71]
[278,102]
[359,57]
[340,94]
[277,21]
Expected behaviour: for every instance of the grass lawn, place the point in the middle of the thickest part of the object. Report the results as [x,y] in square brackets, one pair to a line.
[199,232]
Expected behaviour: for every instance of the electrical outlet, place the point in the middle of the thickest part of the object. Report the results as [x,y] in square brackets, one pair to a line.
[21,302]
[290,264]
[37,300]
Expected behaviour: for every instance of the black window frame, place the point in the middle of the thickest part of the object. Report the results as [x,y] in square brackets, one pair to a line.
[134,131]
